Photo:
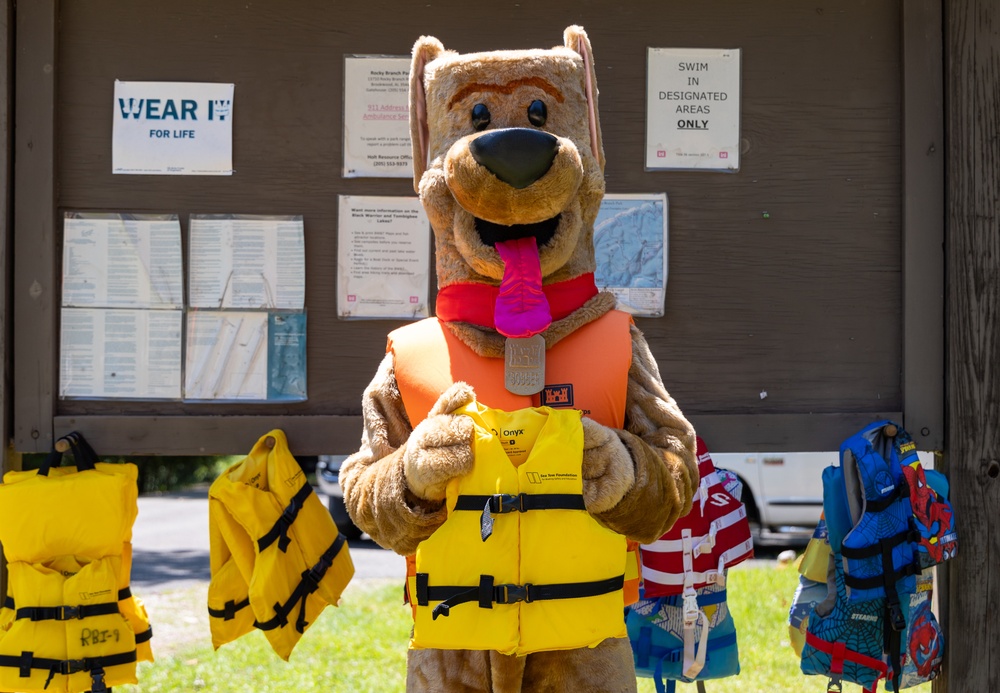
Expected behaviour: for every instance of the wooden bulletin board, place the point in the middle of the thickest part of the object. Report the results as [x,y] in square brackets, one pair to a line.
[804,297]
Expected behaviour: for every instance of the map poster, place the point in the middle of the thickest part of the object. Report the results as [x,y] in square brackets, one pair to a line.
[377,117]
[630,242]
[693,109]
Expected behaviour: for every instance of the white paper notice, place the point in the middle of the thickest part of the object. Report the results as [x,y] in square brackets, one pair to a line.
[693,109]
[246,261]
[115,262]
[226,356]
[127,354]
[173,128]
[377,117]
[630,244]
[383,258]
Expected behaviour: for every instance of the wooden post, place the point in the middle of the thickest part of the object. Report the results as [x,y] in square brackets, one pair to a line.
[972,96]
[8,460]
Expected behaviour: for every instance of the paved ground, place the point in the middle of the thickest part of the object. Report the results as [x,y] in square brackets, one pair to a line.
[170,545]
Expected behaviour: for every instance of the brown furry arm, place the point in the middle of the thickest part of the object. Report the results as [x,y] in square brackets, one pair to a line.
[375,489]
[661,443]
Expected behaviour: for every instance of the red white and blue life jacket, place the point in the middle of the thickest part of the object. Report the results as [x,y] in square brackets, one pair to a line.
[681,628]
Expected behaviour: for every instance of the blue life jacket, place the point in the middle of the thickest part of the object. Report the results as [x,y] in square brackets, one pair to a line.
[876,620]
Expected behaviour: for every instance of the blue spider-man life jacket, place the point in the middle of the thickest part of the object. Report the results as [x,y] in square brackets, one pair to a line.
[874,622]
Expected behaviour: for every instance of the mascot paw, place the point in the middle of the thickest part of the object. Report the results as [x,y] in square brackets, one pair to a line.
[608,471]
[440,447]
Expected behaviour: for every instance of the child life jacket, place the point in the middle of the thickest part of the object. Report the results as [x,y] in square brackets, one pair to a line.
[273,549]
[519,565]
[428,358]
[681,628]
[70,622]
[812,589]
[878,601]
[700,546]
[661,647]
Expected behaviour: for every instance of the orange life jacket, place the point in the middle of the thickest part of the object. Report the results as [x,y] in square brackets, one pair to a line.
[586,370]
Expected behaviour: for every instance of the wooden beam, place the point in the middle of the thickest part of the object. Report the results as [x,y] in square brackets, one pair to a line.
[338,435]
[923,223]
[972,69]
[35,302]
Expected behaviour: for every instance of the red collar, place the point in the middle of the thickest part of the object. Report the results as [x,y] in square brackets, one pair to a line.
[473,303]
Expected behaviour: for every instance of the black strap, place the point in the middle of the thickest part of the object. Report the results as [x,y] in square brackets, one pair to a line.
[501,503]
[862,552]
[95,665]
[66,613]
[308,583]
[486,593]
[144,636]
[880,504]
[124,593]
[279,532]
[83,454]
[229,609]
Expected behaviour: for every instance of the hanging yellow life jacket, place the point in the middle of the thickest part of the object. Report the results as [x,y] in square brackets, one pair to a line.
[520,566]
[273,548]
[69,621]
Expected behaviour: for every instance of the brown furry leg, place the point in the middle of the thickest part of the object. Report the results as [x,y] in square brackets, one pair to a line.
[462,671]
[606,668]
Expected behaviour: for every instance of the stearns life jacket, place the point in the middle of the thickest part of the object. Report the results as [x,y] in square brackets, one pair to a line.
[684,581]
[586,370]
[519,566]
[274,549]
[70,622]
[876,592]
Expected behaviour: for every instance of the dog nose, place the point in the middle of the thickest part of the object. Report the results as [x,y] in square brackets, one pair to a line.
[517,156]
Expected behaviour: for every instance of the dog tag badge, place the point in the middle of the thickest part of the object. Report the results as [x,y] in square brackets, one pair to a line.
[524,364]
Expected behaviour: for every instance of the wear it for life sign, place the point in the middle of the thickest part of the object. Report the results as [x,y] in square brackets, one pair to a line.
[173,128]
[693,109]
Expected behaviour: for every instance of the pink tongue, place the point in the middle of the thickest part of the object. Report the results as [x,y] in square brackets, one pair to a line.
[522,309]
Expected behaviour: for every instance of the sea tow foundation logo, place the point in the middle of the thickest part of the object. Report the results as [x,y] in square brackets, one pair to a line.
[89,596]
[542,477]
[560,395]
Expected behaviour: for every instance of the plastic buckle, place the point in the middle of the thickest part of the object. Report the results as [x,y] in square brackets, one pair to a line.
[511,594]
[72,666]
[68,613]
[836,684]
[691,610]
[896,617]
[98,683]
[505,503]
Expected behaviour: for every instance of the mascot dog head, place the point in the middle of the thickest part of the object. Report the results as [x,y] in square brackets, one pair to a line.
[508,161]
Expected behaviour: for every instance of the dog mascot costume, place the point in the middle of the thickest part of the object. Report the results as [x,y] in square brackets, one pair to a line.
[509,165]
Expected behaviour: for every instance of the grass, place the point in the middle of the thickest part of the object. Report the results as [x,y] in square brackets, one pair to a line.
[360,647]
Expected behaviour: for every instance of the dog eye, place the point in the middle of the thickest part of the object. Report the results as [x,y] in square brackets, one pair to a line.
[480,117]
[537,113]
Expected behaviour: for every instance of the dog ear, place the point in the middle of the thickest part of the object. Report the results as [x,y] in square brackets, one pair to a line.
[575,38]
[424,50]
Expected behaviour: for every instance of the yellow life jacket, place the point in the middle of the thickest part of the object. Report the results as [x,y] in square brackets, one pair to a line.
[520,566]
[273,548]
[69,622]
[428,357]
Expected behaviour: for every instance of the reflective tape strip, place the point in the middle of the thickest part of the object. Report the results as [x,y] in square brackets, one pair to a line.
[677,545]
